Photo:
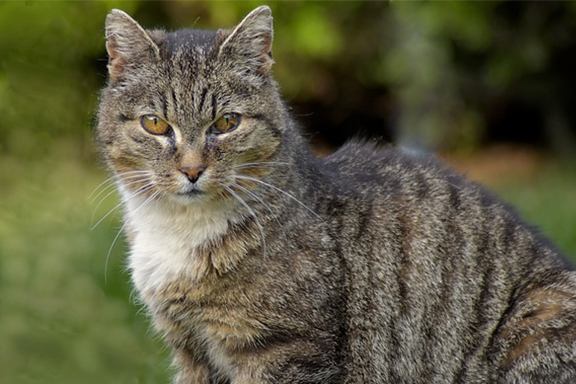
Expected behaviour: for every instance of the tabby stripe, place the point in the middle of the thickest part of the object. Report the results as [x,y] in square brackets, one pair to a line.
[202,100]
[123,118]
[406,236]
[454,192]
[483,245]
[264,342]
[485,286]
[454,239]
[423,188]
[174,102]
[509,236]
[364,223]
[165,108]
[138,139]
[214,106]
[440,296]
[402,301]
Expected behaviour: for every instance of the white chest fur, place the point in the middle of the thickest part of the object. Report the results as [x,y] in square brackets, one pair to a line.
[166,236]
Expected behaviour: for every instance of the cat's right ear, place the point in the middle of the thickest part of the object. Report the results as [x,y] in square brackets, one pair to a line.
[251,41]
[126,42]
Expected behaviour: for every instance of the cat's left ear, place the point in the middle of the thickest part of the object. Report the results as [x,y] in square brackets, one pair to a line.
[251,41]
[126,43]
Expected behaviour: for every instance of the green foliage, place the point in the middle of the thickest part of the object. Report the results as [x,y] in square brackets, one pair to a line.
[62,320]
[548,201]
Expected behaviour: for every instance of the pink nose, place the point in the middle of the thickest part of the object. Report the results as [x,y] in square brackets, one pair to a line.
[192,172]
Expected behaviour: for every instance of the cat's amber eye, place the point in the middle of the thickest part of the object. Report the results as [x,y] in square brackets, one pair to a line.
[227,123]
[154,125]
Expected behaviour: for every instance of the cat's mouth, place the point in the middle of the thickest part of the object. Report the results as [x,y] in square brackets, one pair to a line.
[189,196]
[192,193]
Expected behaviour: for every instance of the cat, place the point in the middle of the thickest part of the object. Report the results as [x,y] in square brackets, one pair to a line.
[261,263]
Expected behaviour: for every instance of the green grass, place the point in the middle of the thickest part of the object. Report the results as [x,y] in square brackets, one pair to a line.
[549,202]
[62,321]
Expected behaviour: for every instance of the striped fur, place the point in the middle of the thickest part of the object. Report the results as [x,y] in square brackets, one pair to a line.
[367,266]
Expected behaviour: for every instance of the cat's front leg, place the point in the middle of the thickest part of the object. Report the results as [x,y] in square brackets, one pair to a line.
[293,363]
[193,371]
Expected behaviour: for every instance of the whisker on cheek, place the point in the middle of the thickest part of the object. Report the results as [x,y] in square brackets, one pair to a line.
[260,164]
[110,180]
[259,200]
[278,190]
[112,192]
[143,190]
[251,213]
[112,183]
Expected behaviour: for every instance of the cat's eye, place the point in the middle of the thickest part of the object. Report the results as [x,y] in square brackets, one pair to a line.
[226,123]
[154,125]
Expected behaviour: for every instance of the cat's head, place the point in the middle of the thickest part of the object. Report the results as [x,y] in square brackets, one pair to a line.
[185,112]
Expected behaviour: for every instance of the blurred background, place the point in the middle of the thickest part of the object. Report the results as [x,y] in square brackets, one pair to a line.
[488,86]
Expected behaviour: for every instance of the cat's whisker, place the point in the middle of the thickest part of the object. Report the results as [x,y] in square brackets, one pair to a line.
[106,215]
[112,185]
[257,198]
[112,182]
[262,163]
[131,173]
[134,182]
[139,192]
[278,190]
[126,221]
[253,214]
[252,195]
[109,181]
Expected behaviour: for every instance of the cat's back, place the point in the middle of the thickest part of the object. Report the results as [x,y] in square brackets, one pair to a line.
[427,199]
[434,261]
[413,206]
[359,168]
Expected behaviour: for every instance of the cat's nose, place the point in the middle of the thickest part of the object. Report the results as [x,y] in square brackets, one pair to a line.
[193,173]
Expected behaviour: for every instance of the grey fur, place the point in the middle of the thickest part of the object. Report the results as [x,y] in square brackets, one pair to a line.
[368,266]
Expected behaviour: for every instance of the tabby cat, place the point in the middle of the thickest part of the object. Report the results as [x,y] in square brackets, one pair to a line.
[261,263]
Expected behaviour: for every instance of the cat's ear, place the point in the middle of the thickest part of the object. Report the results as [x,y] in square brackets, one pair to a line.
[251,40]
[126,42]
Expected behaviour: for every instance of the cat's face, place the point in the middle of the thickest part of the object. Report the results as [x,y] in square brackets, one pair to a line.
[185,113]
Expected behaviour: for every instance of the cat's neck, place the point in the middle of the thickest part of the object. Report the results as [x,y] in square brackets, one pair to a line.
[166,236]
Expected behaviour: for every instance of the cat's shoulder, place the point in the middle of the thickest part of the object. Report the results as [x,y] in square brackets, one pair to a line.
[368,163]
